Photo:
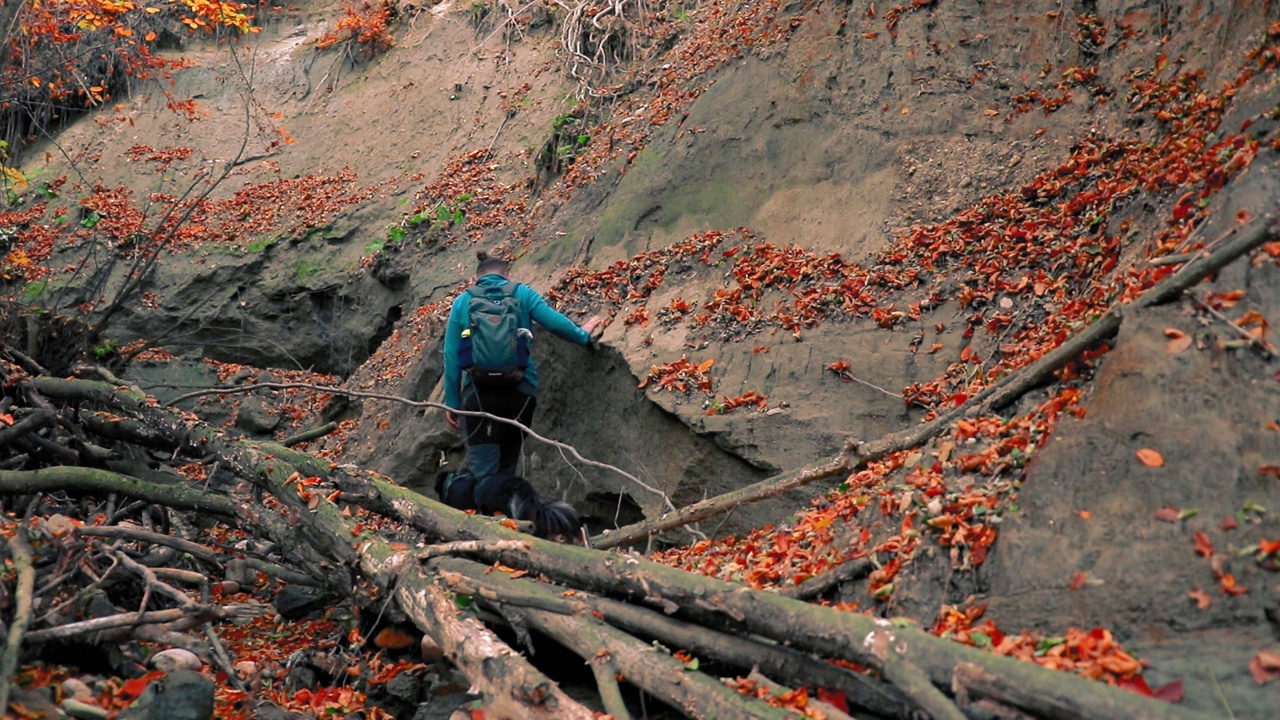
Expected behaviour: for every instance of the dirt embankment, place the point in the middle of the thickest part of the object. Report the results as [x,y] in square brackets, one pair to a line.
[833,136]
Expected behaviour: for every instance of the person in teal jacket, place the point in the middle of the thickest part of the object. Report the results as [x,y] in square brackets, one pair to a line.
[494,447]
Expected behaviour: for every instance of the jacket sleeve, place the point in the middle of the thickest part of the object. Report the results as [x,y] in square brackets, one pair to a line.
[452,341]
[551,319]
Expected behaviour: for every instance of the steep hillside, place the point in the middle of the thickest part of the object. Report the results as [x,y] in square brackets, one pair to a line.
[807,222]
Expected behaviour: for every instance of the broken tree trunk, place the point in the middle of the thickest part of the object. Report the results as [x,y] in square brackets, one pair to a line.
[993,397]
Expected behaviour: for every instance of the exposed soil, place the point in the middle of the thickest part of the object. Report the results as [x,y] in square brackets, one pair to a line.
[839,139]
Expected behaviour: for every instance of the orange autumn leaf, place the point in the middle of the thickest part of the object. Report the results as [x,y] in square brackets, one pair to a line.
[1079,580]
[392,639]
[1168,514]
[1202,599]
[1229,586]
[1204,547]
[1264,666]
[1085,515]
[1150,457]
[1178,345]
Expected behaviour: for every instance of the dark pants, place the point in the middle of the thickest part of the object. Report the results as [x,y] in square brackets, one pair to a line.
[495,446]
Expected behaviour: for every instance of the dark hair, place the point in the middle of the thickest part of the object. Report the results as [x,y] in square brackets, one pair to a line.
[491,264]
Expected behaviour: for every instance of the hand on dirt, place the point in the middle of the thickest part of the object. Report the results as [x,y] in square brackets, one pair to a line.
[594,327]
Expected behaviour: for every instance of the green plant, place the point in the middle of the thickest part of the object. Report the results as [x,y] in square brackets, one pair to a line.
[304,270]
[106,348]
[260,245]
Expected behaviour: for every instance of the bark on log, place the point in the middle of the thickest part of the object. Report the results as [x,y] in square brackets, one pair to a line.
[23,596]
[73,478]
[993,397]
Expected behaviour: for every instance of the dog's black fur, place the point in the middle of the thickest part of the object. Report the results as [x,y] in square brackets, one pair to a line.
[510,495]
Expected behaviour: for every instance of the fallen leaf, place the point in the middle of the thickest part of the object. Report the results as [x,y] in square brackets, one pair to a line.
[1170,692]
[990,112]
[1203,601]
[1178,344]
[6,418]
[1168,514]
[1174,333]
[390,638]
[1229,523]
[1264,666]
[1079,580]
[1230,587]
[1085,515]
[1150,457]
[1204,547]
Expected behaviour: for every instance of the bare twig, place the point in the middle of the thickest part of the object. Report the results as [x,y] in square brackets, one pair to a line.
[240,389]
[1262,345]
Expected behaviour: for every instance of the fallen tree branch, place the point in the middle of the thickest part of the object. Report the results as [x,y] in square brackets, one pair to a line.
[818,584]
[23,597]
[993,397]
[28,424]
[735,608]
[309,435]
[71,477]
[130,532]
[1263,346]
[786,664]
[187,617]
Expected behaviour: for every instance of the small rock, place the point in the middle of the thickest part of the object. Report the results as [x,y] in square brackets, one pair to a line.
[228,587]
[181,695]
[76,688]
[295,601]
[1013,161]
[431,652]
[246,668]
[405,687]
[175,659]
[238,572]
[83,710]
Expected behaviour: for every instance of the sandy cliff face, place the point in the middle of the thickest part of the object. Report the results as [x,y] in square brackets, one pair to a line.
[815,140]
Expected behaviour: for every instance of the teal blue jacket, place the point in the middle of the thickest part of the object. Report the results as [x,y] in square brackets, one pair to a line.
[532,307]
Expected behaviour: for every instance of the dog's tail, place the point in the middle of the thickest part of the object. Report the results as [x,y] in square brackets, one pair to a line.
[517,499]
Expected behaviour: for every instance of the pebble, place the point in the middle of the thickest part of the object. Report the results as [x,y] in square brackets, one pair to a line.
[76,688]
[176,659]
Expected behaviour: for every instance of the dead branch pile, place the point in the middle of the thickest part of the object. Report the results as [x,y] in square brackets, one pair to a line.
[119,495]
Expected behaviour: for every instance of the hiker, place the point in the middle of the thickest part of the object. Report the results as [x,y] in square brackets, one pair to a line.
[488,367]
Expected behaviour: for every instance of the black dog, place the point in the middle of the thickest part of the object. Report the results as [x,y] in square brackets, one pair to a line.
[510,495]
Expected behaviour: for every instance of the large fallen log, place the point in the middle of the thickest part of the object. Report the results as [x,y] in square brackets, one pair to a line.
[994,397]
[870,642]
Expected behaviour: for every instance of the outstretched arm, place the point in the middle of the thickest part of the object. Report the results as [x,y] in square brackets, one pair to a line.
[553,320]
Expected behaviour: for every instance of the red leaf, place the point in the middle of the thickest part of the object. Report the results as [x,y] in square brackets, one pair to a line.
[1204,547]
[1079,580]
[1203,601]
[1136,684]
[1168,514]
[1229,523]
[833,697]
[1170,692]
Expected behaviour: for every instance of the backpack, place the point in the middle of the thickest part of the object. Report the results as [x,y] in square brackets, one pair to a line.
[495,347]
